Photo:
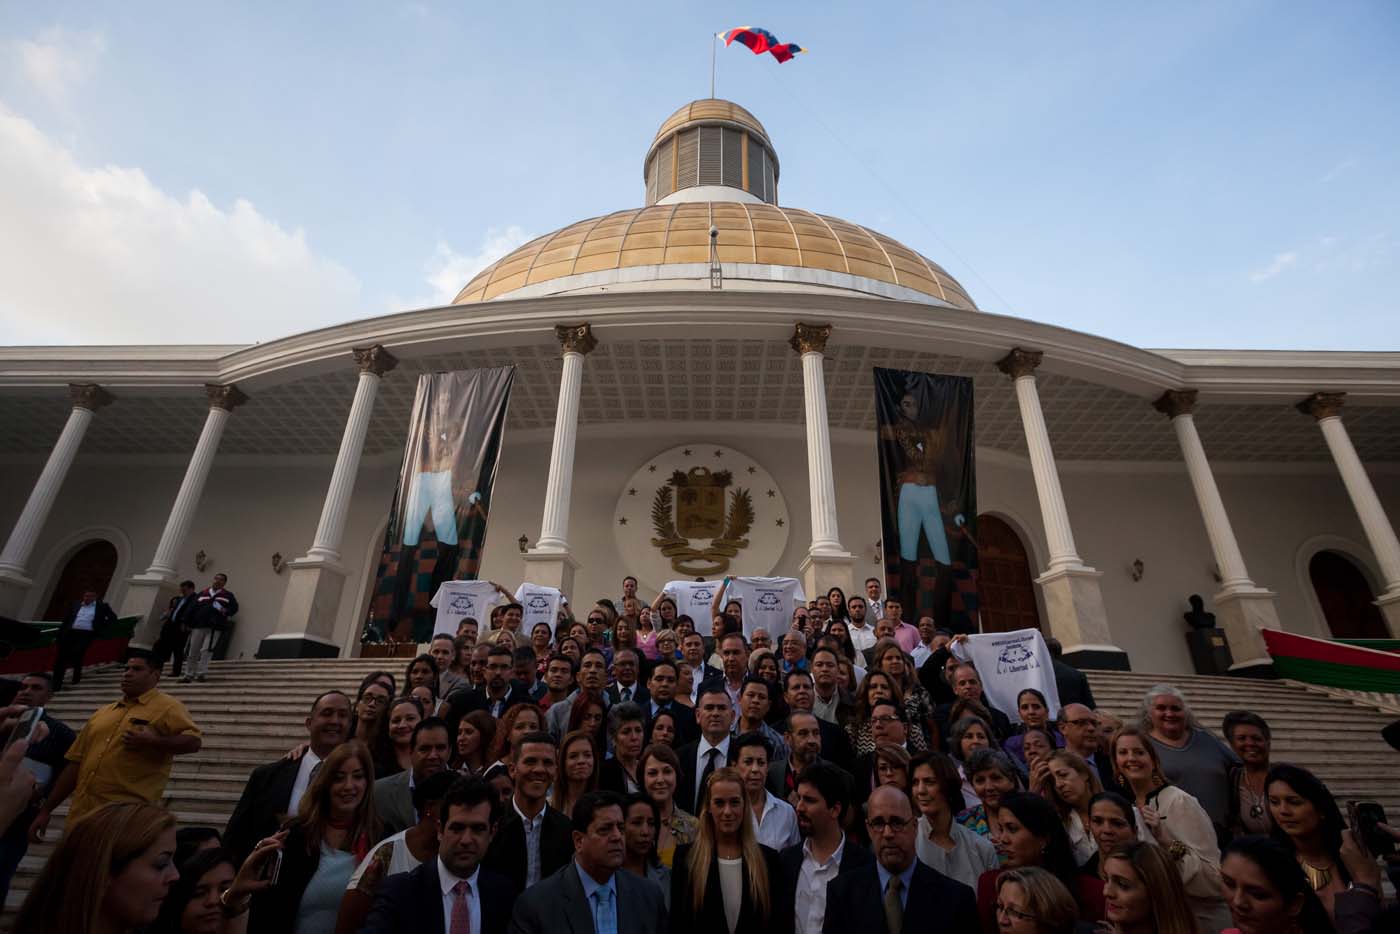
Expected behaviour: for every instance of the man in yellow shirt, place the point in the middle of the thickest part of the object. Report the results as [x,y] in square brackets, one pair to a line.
[124,751]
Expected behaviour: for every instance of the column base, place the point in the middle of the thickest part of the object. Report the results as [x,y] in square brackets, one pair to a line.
[1077,617]
[14,590]
[1243,612]
[296,645]
[551,569]
[146,597]
[821,572]
[312,600]
[1389,603]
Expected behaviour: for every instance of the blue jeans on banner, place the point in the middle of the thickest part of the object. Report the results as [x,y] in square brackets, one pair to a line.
[430,492]
[918,507]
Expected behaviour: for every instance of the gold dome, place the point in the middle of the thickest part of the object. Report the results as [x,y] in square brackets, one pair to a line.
[709,110]
[761,234]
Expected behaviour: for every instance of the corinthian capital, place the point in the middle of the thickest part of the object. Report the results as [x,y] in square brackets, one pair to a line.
[1176,402]
[575,338]
[810,338]
[89,396]
[1322,405]
[1020,362]
[374,359]
[227,397]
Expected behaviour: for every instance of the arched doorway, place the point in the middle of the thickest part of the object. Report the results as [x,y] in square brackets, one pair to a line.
[1004,580]
[91,567]
[1347,602]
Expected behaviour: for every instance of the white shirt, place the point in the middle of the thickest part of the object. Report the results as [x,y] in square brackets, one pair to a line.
[777,828]
[812,880]
[693,599]
[972,854]
[86,614]
[401,859]
[532,826]
[457,600]
[731,887]
[541,605]
[701,755]
[862,637]
[768,602]
[921,654]
[448,880]
[309,761]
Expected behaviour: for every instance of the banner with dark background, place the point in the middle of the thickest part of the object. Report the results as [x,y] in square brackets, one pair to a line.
[437,523]
[928,495]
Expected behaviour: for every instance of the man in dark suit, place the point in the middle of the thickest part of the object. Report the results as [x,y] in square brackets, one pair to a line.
[590,895]
[910,897]
[1080,728]
[626,670]
[453,892]
[825,853]
[800,693]
[1070,682]
[393,798]
[715,715]
[526,856]
[804,743]
[967,685]
[175,628]
[83,622]
[694,654]
[661,690]
[274,790]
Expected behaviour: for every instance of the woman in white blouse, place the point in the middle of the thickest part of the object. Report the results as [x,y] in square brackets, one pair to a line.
[1070,785]
[1177,822]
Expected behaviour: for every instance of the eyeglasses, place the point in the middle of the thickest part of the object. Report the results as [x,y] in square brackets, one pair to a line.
[885,719]
[1016,913]
[890,824]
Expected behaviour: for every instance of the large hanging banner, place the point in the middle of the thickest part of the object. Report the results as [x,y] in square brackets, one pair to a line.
[928,495]
[437,524]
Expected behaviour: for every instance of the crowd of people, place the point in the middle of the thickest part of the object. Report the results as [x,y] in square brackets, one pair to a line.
[627,773]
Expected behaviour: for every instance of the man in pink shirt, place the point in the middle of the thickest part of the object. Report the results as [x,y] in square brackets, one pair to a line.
[906,635]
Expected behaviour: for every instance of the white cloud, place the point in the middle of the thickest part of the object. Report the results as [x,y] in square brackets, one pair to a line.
[1337,170]
[58,61]
[103,255]
[1278,264]
[449,270]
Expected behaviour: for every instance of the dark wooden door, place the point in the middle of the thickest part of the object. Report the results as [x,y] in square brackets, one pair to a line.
[91,568]
[1347,602]
[1004,578]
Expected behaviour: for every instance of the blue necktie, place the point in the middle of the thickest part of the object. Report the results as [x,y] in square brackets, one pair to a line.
[607,914]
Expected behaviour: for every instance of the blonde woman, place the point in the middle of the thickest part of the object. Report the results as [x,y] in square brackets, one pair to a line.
[725,852]
[1071,786]
[1031,900]
[1143,893]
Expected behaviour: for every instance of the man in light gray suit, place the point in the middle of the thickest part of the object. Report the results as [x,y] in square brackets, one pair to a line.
[590,895]
[393,797]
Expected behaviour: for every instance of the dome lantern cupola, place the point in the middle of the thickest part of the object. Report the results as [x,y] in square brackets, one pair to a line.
[711,150]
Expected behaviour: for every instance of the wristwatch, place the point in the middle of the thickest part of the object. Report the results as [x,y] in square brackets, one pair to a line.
[233,911]
[1177,850]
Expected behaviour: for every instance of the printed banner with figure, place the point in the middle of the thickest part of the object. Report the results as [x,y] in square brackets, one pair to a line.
[1008,663]
[928,495]
[437,525]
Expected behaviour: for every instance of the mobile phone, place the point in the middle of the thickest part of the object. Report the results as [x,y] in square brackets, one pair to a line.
[24,727]
[1364,816]
[272,868]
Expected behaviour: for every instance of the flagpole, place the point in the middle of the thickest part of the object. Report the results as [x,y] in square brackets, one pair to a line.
[714,43]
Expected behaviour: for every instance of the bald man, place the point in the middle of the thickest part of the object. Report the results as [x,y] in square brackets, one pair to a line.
[1080,728]
[912,897]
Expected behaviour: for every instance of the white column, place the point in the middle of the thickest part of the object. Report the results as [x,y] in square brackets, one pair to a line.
[575,341]
[1326,407]
[809,340]
[1020,365]
[1179,406]
[87,399]
[373,362]
[222,401]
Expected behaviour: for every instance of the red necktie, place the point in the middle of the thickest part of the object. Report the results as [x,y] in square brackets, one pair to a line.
[461,908]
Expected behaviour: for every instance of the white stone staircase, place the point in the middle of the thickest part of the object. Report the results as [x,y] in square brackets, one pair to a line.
[253,711]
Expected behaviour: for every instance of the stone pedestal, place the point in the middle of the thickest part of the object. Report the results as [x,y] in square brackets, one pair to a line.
[819,573]
[1389,604]
[147,596]
[14,589]
[1242,613]
[306,623]
[1076,616]
[552,569]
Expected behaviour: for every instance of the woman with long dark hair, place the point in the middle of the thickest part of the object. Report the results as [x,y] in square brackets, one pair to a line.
[1308,822]
[1268,891]
[330,835]
[475,733]
[578,771]
[394,736]
[661,770]
[1034,711]
[837,597]
[1113,822]
[211,895]
[641,820]
[726,881]
[589,714]
[1029,833]
[369,703]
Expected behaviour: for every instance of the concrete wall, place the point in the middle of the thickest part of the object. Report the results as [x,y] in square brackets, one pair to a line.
[1120,512]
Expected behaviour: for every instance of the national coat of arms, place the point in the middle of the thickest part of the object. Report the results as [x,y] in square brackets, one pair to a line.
[699,505]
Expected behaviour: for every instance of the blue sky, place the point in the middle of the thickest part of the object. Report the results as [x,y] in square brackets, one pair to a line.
[1184,175]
